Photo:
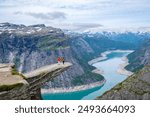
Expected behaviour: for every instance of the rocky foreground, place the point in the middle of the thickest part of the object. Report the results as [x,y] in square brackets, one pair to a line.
[16,86]
[8,78]
[135,87]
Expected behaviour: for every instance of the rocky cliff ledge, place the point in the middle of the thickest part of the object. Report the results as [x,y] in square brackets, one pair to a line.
[16,86]
[135,87]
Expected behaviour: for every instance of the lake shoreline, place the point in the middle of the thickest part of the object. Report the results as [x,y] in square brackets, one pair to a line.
[103,56]
[73,89]
[121,69]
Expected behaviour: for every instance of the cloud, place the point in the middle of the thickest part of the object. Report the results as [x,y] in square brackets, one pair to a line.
[83,26]
[46,16]
[18,13]
[80,26]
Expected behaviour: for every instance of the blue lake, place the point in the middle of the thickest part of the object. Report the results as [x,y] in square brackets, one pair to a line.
[109,66]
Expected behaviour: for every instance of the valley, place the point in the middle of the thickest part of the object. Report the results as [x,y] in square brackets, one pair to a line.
[34,46]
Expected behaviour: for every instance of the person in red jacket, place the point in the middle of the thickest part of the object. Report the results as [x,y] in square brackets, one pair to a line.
[58,60]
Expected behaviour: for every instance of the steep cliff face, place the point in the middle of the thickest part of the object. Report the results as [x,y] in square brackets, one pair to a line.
[22,45]
[135,87]
[140,57]
[31,47]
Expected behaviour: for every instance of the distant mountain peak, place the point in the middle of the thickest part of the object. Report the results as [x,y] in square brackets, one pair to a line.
[27,30]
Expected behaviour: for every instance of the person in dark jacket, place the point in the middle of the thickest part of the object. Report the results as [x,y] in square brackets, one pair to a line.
[63,60]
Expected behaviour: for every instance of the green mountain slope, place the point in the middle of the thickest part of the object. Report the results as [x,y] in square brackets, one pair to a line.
[135,87]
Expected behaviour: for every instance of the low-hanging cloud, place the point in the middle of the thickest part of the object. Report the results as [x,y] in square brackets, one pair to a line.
[46,16]
[87,25]
[82,26]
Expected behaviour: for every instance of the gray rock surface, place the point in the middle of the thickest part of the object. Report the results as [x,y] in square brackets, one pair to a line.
[139,57]
[15,87]
[31,47]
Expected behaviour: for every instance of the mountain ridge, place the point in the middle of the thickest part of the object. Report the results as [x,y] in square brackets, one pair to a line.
[30,51]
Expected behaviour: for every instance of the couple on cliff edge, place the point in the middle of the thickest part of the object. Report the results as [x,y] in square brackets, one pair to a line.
[61,59]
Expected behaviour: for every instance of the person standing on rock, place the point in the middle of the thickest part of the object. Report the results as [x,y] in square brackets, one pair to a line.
[63,60]
[58,60]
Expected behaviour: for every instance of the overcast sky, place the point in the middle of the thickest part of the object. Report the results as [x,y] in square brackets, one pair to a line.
[77,14]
